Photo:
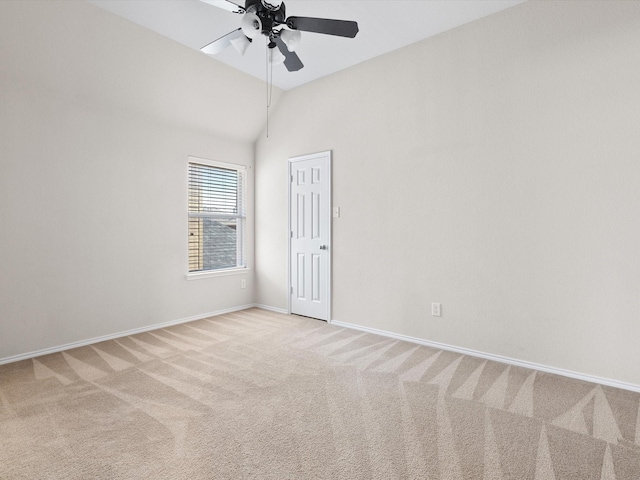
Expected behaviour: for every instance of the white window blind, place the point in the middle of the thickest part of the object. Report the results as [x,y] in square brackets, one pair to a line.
[216,216]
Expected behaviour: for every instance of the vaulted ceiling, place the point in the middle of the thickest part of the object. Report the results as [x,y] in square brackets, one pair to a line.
[385,25]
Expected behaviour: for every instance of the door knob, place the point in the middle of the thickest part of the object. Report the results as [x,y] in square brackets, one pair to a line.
[323,247]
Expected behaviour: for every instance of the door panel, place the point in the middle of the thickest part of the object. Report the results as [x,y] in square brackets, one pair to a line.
[301,276]
[316,275]
[310,223]
[315,215]
[301,217]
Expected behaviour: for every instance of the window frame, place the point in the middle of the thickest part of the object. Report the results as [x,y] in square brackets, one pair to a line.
[241,248]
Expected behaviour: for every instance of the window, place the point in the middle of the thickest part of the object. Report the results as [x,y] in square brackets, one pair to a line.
[216,216]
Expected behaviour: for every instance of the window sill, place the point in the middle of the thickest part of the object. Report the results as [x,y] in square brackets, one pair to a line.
[216,273]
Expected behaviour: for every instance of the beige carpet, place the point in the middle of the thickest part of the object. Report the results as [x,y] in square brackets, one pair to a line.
[260,395]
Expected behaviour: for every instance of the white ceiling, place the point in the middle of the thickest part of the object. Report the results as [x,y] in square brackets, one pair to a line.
[385,25]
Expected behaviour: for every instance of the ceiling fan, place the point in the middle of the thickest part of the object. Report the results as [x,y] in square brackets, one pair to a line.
[268,18]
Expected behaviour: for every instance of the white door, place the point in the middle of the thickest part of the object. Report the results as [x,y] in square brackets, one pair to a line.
[310,235]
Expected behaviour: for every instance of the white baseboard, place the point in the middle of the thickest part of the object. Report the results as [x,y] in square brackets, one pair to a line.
[271,309]
[495,358]
[90,341]
[442,346]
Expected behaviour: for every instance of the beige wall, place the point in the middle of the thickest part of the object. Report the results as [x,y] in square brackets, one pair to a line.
[494,169]
[97,119]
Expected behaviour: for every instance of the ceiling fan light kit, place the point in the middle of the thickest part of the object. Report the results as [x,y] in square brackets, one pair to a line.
[251,25]
[241,43]
[275,56]
[291,38]
[268,18]
[273,5]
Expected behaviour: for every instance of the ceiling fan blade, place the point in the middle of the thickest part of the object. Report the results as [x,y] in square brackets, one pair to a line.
[291,59]
[221,43]
[340,28]
[226,5]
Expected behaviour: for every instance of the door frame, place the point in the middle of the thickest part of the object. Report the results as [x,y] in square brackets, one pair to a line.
[292,160]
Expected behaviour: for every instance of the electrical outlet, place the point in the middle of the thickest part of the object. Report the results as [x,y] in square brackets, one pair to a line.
[243,283]
[436,309]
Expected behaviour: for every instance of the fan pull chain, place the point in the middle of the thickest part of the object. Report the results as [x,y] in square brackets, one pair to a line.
[269,82]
